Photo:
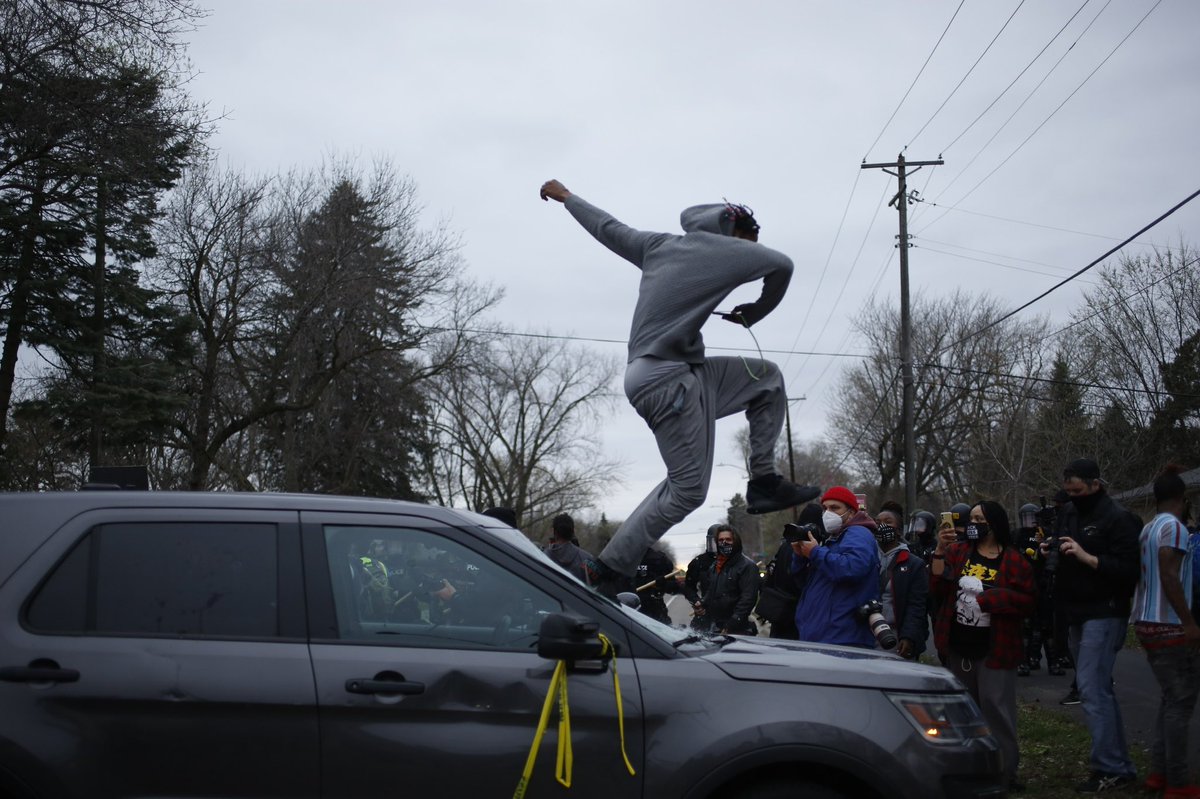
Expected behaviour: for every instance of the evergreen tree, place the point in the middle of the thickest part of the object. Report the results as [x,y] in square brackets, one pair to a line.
[1175,428]
[1061,427]
[92,130]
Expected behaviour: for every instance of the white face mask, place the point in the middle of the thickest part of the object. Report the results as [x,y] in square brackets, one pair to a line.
[832,522]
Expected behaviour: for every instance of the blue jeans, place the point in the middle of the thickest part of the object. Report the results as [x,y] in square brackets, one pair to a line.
[1094,645]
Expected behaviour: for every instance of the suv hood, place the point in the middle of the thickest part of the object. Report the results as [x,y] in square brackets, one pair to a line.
[769,660]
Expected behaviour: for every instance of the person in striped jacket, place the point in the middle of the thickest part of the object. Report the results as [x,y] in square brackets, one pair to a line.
[1168,632]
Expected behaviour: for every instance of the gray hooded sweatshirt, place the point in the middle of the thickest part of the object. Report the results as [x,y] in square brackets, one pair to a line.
[685,278]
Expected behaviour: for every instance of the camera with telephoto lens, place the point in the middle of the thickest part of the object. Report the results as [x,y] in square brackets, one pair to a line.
[800,532]
[1047,518]
[872,614]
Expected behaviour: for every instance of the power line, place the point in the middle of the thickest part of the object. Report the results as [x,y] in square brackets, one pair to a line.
[1008,393]
[849,272]
[963,371]
[1029,224]
[914,81]
[1120,300]
[969,71]
[883,396]
[624,342]
[837,235]
[994,263]
[999,255]
[1022,104]
[1060,105]
[849,328]
[1059,331]
[1004,91]
[1071,277]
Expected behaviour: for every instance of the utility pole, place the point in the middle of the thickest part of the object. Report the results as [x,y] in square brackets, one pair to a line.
[901,201]
[787,408]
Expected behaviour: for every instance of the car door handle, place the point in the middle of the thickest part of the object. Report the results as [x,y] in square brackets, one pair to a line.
[37,674]
[385,687]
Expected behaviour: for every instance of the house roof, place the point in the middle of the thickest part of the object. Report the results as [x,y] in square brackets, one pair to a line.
[1191,479]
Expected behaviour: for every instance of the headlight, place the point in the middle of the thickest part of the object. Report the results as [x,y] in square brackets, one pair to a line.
[942,718]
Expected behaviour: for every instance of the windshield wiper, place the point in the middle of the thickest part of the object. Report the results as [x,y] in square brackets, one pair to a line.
[719,638]
[690,639]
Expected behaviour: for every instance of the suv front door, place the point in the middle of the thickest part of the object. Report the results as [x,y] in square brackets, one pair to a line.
[428,680]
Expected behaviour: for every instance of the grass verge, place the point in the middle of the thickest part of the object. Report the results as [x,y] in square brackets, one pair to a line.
[1054,752]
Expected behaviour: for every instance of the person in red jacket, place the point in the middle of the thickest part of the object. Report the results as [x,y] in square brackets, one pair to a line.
[986,587]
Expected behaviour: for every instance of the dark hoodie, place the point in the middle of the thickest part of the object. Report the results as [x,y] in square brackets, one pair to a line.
[570,556]
[685,278]
[729,591]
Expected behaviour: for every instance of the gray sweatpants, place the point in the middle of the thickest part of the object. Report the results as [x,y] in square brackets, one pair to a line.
[681,408]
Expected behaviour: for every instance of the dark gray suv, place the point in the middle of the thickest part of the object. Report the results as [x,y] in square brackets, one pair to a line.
[266,645]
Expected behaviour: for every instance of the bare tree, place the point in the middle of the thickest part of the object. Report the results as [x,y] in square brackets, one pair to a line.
[1133,324]
[304,290]
[1134,339]
[964,379]
[517,427]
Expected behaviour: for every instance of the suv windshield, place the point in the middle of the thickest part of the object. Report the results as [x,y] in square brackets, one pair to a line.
[672,635]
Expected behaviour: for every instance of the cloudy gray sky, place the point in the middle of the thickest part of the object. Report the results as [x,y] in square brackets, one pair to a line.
[646,107]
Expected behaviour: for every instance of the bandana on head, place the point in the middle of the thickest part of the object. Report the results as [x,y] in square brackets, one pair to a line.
[736,213]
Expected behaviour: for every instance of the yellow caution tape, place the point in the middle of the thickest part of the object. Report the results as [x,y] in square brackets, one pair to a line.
[608,647]
[565,760]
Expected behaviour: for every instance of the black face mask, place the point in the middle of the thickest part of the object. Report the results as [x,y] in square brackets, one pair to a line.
[885,534]
[977,531]
[725,547]
[1086,504]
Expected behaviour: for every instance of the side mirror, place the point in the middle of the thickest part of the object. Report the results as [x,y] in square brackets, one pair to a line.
[629,599]
[565,636]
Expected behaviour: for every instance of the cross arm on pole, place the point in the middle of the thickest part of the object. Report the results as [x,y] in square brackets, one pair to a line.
[896,164]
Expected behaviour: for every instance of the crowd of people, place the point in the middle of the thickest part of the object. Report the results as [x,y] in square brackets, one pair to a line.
[1063,582]
[1063,579]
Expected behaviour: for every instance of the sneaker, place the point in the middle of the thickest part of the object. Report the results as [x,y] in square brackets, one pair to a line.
[1022,669]
[771,493]
[1098,782]
[1072,698]
[1155,782]
[1035,664]
[1182,792]
[1054,670]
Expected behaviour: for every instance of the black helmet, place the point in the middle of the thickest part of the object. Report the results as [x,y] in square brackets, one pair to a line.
[710,540]
[962,513]
[1027,516]
[921,524]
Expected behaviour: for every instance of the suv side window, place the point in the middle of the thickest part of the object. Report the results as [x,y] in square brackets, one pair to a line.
[416,588]
[177,579]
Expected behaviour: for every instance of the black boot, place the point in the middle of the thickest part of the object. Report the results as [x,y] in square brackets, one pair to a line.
[771,493]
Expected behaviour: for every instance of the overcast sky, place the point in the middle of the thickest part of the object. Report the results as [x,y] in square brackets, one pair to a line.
[647,107]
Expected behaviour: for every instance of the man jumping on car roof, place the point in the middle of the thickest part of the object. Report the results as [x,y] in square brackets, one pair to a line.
[672,385]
